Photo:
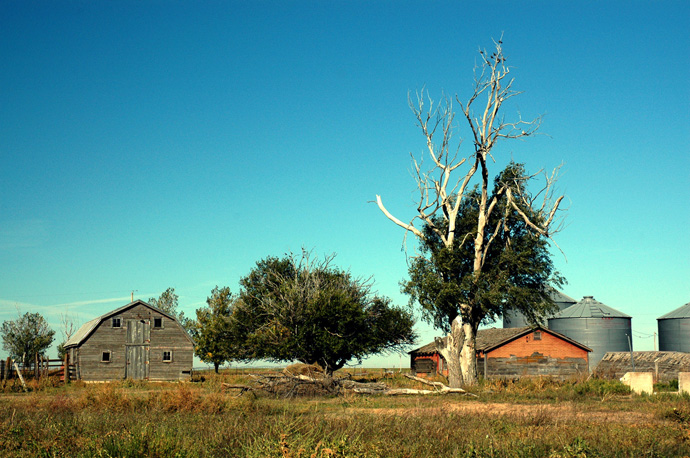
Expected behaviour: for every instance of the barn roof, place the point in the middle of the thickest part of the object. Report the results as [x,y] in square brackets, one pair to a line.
[665,364]
[87,328]
[489,339]
[680,312]
[589,307]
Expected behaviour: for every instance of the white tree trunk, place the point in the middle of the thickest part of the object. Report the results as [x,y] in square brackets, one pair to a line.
[449,349]
[468,355]
[459,351]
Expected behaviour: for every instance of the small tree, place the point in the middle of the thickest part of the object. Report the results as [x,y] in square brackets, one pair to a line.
[168,303]
[68,329]
[446,190]
[215,343]
[299,309]
[26,337]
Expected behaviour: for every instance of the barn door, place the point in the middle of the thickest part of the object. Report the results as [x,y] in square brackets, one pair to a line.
[137,348]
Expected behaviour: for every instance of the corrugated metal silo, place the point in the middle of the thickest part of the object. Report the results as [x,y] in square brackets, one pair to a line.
[515,319]
[674,330]
[596,325]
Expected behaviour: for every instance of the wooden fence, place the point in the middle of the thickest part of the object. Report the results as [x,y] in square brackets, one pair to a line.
[41,367]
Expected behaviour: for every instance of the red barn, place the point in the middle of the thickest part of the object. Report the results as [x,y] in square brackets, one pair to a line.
[513,353]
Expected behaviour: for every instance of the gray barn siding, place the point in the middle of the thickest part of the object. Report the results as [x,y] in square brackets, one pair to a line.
[154,341]
[104,338]
[535,365]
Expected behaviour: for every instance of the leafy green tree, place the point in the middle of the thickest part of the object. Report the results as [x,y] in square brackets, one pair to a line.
[472,222]
[516,275]
[299,309]
[215,343]
[61,352]
[168,303]
[27,336]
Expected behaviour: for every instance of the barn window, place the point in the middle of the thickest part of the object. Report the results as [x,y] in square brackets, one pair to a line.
[157,323]
[167,357]
[537,335]
[105,357]
[117,322]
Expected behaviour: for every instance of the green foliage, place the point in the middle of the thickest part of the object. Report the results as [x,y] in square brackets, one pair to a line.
[680,414]
[168,302]
[215,343]
[61,353]
[516,274]
[578,448]
[602,387]
[297,309]
[671,385]
[27,336]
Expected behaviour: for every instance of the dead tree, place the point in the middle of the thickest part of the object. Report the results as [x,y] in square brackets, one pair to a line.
[450,177]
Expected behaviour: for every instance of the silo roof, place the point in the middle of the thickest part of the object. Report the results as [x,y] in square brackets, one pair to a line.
[588,307]
[558,296]
[680,312]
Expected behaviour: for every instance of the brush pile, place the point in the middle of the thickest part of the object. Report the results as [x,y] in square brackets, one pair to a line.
[311,380]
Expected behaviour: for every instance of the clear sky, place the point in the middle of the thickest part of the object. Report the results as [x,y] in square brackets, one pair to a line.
[152,144]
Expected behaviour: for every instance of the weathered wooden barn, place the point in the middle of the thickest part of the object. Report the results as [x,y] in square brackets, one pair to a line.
[513,353]
[137,341]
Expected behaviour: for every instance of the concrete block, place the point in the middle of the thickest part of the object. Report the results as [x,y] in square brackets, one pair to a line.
[684,382]
[639,382]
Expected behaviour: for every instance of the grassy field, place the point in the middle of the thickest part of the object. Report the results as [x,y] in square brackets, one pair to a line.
[530,418]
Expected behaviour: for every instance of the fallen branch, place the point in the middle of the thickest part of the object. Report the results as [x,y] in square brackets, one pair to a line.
[243,388]
[441,388]
[290,383]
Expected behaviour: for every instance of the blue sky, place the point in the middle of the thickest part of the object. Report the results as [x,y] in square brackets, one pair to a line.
[153,144]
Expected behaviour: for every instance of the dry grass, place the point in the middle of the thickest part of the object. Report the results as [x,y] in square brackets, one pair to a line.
[524,419]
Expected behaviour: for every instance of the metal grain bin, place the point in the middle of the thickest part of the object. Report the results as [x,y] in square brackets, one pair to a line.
[674,330]
[595,325]
[515,319]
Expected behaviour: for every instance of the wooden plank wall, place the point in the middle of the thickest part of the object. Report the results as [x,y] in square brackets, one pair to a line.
[533,366]
[171,337]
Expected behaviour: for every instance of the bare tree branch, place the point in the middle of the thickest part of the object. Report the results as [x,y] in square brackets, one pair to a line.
[443,187]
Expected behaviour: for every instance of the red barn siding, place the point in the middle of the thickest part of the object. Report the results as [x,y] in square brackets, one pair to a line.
[553,355]
[548,345]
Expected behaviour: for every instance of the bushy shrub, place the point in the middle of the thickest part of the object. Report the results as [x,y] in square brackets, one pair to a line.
[680,414]
[671,385]
[601,387]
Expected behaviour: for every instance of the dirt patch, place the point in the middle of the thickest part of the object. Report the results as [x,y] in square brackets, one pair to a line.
[565,412]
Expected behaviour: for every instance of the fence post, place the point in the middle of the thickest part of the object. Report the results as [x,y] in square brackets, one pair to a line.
[65,368]
[19,373]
